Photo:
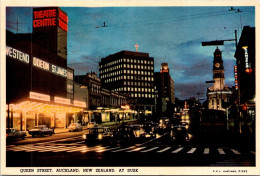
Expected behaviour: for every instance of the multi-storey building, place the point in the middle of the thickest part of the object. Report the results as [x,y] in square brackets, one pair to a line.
[245,75]
[165,87]
[130,73]
[104,105]
[39,85]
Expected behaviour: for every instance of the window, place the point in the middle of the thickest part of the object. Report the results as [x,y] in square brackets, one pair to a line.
[142,67]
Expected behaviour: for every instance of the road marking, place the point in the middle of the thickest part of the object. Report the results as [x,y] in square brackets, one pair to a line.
[136,149]
[177,150]
[104,150]
[235,151]
[150,149]
[163,150]
[206,151]
[192,150]
[124,149]
[221,151]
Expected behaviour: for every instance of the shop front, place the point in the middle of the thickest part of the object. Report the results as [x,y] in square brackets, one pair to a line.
[31,112]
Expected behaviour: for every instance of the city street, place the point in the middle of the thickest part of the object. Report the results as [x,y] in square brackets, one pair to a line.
[69,149]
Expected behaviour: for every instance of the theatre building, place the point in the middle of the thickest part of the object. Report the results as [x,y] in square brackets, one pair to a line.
[39,85]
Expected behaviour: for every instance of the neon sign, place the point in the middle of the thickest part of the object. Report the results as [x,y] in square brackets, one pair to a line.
[41,64]
[236,81]
[16,54]
[43,18]
[59,70]
[50,17]
[246,56]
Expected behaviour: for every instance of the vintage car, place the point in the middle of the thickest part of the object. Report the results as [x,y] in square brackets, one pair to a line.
[13,133]
[98,134]
[75,127]
[150,129]
[91,125]
[41,130]
[138,130]
[124,133]
[179,134]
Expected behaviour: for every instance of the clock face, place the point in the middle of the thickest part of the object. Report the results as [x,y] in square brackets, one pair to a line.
[217,65]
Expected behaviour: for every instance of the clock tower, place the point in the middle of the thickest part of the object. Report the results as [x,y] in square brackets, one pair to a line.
[218,71]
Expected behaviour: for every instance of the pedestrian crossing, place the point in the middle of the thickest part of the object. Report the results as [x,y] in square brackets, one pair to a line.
[82,148]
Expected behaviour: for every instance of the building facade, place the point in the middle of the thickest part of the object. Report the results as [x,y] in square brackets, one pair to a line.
[104,105]
[165,87]
[132,74]
[219,95]
[39,85]
[245,77]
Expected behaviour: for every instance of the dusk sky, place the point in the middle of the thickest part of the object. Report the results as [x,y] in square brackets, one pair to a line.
[168,34]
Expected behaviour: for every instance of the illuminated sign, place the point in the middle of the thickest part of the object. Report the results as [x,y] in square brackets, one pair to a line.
[41,64]
[62,100]
[125,107]
[246,56]
[59,70]
[236,81]
[80,103]
[43,18]
[39,96]
[16,54]
[50,17]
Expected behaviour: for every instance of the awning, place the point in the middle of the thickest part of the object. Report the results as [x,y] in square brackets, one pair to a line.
[44,107]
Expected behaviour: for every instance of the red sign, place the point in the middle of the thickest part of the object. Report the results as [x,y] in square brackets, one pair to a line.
[50,17]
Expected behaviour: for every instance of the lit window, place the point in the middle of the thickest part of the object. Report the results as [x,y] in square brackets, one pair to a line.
[134,61]
[142,61]
[145,78]
[135,71]
[151,78]
[138,72]
[124,77]
[132,72]
[124,88]
[142,72]
[132,89]
[129,89]
[132,77]
[132,66]
[135,89]
[142,67]
[135,95]
[138,66]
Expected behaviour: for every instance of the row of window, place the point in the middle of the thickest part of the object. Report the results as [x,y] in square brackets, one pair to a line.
[136,61]
[138,95]
[143,78]
[134,89]
[126,72]
[140,67]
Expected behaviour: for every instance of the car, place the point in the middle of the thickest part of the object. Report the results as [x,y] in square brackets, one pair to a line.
[124,133]
[41,130]
[179,133]
[138,130]
[150,129]
[13,133]
[98,134]
[91,125]
[75,127]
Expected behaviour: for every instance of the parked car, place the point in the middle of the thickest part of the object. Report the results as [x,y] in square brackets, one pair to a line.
[75,127]
[13,133]
[91,124]
[98,134]
[41,130]
[179,133]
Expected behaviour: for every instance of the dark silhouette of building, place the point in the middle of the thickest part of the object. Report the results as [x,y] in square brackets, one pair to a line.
[165,87]
[245,60]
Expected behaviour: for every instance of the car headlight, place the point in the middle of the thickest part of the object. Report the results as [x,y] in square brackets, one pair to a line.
[84,136]
[100,136]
